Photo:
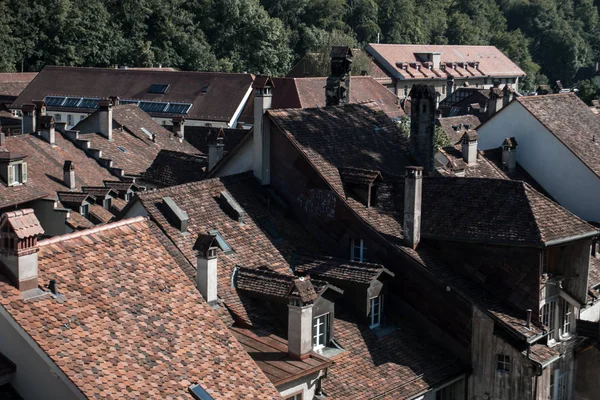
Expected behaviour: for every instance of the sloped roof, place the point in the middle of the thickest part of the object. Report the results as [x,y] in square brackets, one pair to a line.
[101,214]
[484,168]
[264,282]
[171,168]
[492,62]
[140,327]
[339,269]
[17,76]
[45,169]
[224,92]
[568,118]
[201,136]
[454,127]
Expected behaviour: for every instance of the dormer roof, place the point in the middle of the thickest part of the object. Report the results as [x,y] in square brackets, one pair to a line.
[338,269]
[359,176]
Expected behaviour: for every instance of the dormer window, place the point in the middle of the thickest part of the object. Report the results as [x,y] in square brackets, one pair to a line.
[84,210]
[376,305]
[358,250]
[107,203]
[17,174]
[320,331]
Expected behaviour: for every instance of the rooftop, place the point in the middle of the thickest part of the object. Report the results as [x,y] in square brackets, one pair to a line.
[455,127]
[171,168]
[123,316]
[339,269]
[201,136]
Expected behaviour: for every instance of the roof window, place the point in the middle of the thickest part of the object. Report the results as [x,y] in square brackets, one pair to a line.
[199,393]
[158,88]
[223,245]
[121,148]
[205,89]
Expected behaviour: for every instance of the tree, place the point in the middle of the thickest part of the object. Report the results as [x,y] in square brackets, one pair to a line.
[588,90]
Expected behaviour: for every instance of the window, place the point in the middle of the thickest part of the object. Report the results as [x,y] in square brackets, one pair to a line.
[295,397]
[503,364]
[558,316]
[376,311]
[358,250]
[552,387]
[447,393]
[158,88]
[560,385]
[107,203]
[84,210]
[221,242]
[17,174]
[320,325]
[547,316]
[566,315]
[127,196]
[69,119]
[57,117]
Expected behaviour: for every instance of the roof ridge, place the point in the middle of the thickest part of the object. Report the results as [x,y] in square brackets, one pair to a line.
[86,232]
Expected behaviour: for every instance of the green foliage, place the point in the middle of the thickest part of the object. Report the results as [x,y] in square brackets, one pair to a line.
[588,91]
[548,39]
[441,139]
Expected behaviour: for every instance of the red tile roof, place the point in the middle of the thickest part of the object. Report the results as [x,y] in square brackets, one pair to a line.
[22,222]
[17,76]
[77,221]
[131,325]
[101,214]
[491,61]
[224,93]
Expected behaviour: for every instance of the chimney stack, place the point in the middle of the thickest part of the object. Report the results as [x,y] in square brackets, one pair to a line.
[469,147]
[422,126]
[105,118]
[69,174]
[261,135]
[19,249]
[28,123]
[413,188]
[509,154]
[2,138]
[206,264]
[40,108]
[337,88]
[46,129]
[178,128]
[216,149]
[115,101]
[507,94]
[300,318]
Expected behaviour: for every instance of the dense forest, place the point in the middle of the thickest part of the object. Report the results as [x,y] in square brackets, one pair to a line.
[549,39]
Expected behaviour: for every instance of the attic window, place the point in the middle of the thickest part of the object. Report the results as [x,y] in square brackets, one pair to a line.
[146,132]
[223,245]
[205,89]
[199,393]
[158,88]
[121,148]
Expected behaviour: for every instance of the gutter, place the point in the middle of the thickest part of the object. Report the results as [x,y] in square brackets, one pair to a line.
[236,115]
[572,238]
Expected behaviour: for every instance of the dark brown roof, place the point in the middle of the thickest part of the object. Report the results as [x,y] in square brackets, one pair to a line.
[171,168]
[201,136]
[358,176]
[12,89]
[99,191]
[339,269]
[45,169]
[310,93]
[74,197]
[454,127]
[77,221]
[101,214]
[484,168]
[224,92]
[131,327]
[17,76]
[270,353]
[252,245]
[263,282]
[568,118]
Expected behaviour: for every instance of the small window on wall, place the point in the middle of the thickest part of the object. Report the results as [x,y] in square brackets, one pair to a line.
[57,117]
[376,305]
[503,364]
[560,385]
[320,331]
[358,250]
[69,119]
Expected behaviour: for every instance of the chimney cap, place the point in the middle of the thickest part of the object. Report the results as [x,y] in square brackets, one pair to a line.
[28,107]
[69,166]
[204,243]
[104,103]
[178,120]
[470,136]
[510,143]
[263,81]
[23,223]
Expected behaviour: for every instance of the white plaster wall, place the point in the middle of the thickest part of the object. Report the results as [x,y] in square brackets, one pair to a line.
[242,161]
[591,313]
[64,117]
[135,210]
[307,385]
[546,159]
[36,376]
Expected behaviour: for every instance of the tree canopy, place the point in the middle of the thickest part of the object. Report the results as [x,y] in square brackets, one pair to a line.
[548,39]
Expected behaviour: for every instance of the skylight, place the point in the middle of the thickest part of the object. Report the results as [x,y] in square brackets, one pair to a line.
[92,103]
[158,88]
[147,132]
[71,102]
[221,242]
[205,89]
[122,149]
[199,393]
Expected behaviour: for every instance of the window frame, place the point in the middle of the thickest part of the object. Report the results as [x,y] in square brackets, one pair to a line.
[296,396]
[362,249]
[503,363]
[107,200]
[84,210]
[317,333]
[376,318]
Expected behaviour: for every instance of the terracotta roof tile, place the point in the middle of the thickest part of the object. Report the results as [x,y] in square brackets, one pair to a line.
[77,221]
[101,214]
[23,223]
[131,325]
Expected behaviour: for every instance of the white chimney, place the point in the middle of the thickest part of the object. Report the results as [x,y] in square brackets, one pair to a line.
[413,187]
[261,131]
[69,174]
[216,150]
[509,154]
[300,321]
[206,261]
[19,249]
[105,118]
[469,147]
[28,122]
[178,128]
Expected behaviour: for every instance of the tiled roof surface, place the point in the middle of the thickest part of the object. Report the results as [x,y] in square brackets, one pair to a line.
[12,89]
[310,93]
[491,61]
[74,197]
[23,223]
[568,118]
[338,269]
[398,365]
[17,76]
[132,149]
[45,168]
[98,191]
[455,127]
[201,136]
[271,354]
[118,204]
[120,186]
[358,175]
[171,168]
[184,87]
[77,221]
[542,353]
[252,247]
[263,282]
[102,214]
[131,325]
[484,168]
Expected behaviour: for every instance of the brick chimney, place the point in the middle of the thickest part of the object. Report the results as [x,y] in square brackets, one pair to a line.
[216,150]
[69,174]
[261,135]
[40,108]
[300,318]
[495,102]
[206,261]
[422,126]
[46,129]
[337,88]
[413,187]
[28,123]
[178,128]
[469,147]
[105,118]
[509,154]
[18,247]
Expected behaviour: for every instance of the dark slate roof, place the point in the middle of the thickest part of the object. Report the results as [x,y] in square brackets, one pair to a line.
[201,136]
[568,118]
[484,168]
[171,168]
[224,94]
[454,127]
[263,282]
[74,197]
[358,176]
[99,191]
[339,269]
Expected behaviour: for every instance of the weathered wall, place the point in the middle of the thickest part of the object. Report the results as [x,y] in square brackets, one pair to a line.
[572,262]
[486,382]
[587,384]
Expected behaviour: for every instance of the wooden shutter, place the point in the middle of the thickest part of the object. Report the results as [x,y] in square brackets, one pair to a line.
[24,172]
[11,176]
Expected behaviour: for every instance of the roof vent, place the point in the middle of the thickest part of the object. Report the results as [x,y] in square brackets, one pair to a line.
[176,215]
[233,207]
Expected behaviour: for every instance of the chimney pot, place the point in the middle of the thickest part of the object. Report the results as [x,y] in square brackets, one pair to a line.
[69,174]
[413,187]
[105,118]
[206,267]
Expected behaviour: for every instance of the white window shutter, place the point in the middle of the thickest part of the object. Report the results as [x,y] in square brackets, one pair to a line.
[24,172]
[11,176]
